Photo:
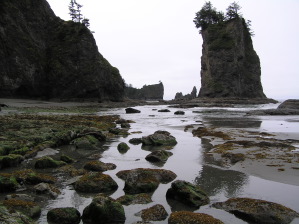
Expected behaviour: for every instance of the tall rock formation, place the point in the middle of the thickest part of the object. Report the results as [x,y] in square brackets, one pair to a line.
[44,56]
[189,96]
[147,92]
[229,65]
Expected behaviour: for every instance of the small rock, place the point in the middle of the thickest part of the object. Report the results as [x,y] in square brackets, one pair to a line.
[154,213]
[135,141]
[187,193]
[258,211]
[144,180]
[64,216]
[159,138]
[125,125]
[104,210]
[164,110]
[99,166]
[191,218]
[132,110]
[179,112]
[135,199]
[123,147]
[158,156]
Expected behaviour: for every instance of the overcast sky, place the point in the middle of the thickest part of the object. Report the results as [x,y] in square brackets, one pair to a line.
[156,40]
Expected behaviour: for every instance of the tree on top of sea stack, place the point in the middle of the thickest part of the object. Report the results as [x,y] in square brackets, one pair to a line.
[230,66]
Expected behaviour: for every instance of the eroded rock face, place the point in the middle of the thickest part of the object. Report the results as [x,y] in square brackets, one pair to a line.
[144,180]
[229,65]
[258,211]
[44,56]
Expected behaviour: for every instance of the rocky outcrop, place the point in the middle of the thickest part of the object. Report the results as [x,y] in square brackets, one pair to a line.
[230,66]
[290,105]
[147,92]
[258,211]
[46,57]
[190,96]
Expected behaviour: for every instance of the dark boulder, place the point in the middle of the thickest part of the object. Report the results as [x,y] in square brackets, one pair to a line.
[144,180]
[159,138]
[258,211]
[135,141]
[164,110]
[103,210]
[123,147]
[10,160]
[132,111]
[187,193]
[96,165]
[64,216]
[192,218]
[8,184]
[179,112]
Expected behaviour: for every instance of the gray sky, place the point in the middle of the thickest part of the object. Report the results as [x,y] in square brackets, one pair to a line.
[156,40]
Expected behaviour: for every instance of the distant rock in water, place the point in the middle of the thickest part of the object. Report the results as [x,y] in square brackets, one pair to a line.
[147,92]
[46,57]
[230,66]
[192,95]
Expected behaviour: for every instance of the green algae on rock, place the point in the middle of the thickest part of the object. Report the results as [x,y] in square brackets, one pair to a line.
[187,193]
[186,217]
[104,210]
[64,216]
[29,208]
[9,216]
[123,147]
[135,199]
[48,162]
[96,165]
[159,138]
[95,182]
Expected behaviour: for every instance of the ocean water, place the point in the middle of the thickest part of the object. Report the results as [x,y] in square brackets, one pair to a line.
[189,161]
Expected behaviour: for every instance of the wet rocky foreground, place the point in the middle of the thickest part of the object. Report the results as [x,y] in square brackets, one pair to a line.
[132,169]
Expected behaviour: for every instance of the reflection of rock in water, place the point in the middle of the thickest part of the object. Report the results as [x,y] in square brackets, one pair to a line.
[233,122]
[215,180]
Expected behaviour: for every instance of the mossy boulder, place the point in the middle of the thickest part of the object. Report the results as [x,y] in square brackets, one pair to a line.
[158,156]
[67,159]
[186,217]
[31,177]
[88,142]
[258,211]
[9,216]
[103,210]
[142,180]
[30,208]
[123,147]
[96,165]
[187,193]
[135,199]
[48,162]
[159,138]
[154,213]
[10,160]
[8,184]
[64,216]
[95,182]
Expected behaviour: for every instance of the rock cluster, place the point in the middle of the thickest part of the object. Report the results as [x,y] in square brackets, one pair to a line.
[147,92]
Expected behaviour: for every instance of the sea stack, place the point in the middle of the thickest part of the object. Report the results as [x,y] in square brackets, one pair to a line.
[230,67]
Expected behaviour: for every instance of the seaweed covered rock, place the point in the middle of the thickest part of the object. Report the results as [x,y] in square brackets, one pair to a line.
[8,184]
[10,160]
[48,162]
[123,147]
[158,156]
[47,189]
[258,211]
[88,142]
[135,141]
[10,216]
[144,180]
[64,216]
[187,217]
[96,182]
[96,165]
[135,199]
[104,210]
[154,213]
[29,208]
[159,138]
[187,193]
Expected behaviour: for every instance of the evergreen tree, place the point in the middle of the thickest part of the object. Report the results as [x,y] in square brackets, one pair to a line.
[72,11]
[76,15]
[233,11]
